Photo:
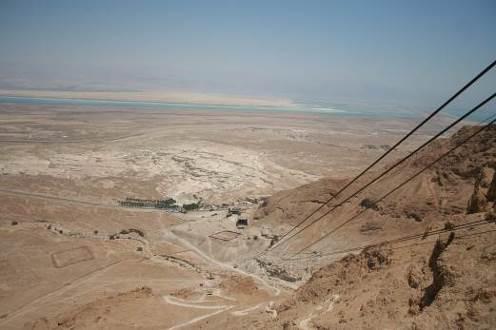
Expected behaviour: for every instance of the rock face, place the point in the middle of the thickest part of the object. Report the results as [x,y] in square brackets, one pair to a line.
[447,283]
[478,201]
[486,177]
[491,193]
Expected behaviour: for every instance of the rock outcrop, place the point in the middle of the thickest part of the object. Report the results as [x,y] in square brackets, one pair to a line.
[478,201]
[491,192]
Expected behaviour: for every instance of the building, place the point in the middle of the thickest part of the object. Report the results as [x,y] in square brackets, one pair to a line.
[241,222]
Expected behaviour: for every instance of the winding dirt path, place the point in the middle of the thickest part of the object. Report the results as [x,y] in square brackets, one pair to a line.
[247,311]
[211,260]
[182,303]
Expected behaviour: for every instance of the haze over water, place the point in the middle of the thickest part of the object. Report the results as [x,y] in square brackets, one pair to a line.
[395,57]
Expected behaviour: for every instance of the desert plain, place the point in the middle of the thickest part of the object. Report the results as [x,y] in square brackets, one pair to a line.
[72,257]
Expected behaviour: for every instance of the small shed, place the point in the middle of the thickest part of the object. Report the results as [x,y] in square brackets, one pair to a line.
[241,222]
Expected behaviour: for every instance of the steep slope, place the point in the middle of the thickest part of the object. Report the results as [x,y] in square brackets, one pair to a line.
[288,207]
[419,285]
[436,264]
[437,193]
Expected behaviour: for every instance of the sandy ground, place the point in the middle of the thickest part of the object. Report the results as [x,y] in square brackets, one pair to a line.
[72,258]
[216,156]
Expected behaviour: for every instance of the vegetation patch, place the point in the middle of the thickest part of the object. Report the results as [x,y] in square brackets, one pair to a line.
[169,204]
[191,206]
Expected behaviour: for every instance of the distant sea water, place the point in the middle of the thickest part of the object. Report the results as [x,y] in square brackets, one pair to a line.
[299,108]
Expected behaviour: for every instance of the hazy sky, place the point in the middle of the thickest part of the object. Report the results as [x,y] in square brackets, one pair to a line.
[410,53]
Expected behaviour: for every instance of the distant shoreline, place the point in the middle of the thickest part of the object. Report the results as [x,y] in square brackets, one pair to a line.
[300,108]
[175,97]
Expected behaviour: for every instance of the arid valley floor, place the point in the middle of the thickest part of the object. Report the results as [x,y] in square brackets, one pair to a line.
[73,258]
